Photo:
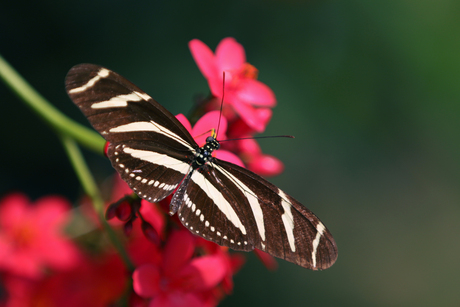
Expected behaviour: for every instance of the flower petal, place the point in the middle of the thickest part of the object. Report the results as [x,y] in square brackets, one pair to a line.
[264,115]
[146,280]
[229,157]
[230,55]
[257,119]
[141,250]
[152,214]
[51,211]
[239,128]
[33,236]
[177,299]
[56,251]
[267,260]
[266,165]
[204,58]
[255,93]
[184,121]
[249,147]
[13,210]
[178,251]
[236,261]
[203,273]
[203,127]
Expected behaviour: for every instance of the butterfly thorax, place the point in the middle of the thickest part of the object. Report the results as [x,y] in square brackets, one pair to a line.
[204,153]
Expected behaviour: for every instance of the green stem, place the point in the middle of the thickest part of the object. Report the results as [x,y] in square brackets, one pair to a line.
[47,111]
[91,189]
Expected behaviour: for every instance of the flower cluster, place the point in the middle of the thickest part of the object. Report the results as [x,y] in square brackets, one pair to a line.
[41,266]
[176,266]
[247,102]
[47,260]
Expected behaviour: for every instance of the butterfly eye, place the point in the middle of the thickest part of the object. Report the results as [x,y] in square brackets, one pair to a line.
[210,139]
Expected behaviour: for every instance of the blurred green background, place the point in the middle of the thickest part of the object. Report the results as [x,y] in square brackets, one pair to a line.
[370,89]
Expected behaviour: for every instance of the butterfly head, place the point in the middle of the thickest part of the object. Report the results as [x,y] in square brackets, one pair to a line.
[212,143]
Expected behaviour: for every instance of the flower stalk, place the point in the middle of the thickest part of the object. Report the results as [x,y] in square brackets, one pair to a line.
[91,189]
[46,111]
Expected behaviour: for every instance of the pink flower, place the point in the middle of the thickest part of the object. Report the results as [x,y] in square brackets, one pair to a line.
[99,281]
[250,98]
[94,282]
[128,209]
[250,152]
[31,237]
[179,280]
[233,262]
[256,161]
[202,129]
[268,260]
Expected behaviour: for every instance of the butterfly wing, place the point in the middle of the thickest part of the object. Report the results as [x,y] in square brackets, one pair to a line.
[213,211]
[149,147]
[234,207]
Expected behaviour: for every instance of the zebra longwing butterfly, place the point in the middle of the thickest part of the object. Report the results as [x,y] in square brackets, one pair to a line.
[217,200]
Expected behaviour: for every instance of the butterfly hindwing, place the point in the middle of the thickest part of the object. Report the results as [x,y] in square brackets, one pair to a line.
[214,209]
[285,228]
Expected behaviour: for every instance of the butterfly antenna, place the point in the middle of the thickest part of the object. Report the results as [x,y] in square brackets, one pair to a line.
[221,103]
[206,132]
[260,137]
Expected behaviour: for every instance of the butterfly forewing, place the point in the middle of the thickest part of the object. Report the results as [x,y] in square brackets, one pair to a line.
[149,147]
[120,111]
[224,203]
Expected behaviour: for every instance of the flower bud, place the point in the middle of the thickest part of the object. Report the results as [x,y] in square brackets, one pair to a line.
[124,211]
[150,233]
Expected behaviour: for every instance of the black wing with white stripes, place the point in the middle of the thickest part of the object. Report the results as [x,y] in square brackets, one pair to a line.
[149,147]
[217,200]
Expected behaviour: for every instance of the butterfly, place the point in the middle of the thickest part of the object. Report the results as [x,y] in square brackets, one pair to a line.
[217,200]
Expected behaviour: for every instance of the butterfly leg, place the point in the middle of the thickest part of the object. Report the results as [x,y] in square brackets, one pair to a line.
[178,197]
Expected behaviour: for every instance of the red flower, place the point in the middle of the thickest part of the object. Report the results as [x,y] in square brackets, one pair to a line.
[250,152]
[233,261]
[141,249]
[258,162]
[93,283]
[250,98]
[96,282]
[31,237]
[179,280]
[268,260]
